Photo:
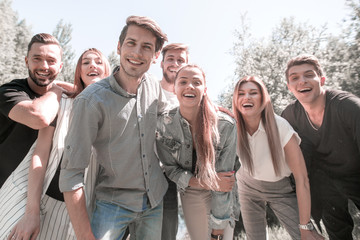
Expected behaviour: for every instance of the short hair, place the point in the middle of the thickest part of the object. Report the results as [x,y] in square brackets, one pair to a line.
[148,24]
[44,38]
[79,84]
[304,59]
[175,46]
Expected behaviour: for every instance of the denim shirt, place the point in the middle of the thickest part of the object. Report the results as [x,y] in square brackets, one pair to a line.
[120,128]
[175,149]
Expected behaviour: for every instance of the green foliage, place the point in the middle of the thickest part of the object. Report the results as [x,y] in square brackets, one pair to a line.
[63,34]
[114,59]
[13,43]
[267,57]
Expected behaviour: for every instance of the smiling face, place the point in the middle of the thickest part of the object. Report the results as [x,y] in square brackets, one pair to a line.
[305,83]
[249,100]
[173,61]
[190,87]
[92,68]
[44,63]
[137,52]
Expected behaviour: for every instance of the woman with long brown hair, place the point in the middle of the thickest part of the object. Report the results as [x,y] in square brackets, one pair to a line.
[269,153]
[196,144]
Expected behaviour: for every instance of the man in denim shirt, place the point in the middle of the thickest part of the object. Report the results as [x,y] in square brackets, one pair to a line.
[116,117]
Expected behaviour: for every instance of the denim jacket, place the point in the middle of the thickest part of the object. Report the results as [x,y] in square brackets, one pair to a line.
[175,149]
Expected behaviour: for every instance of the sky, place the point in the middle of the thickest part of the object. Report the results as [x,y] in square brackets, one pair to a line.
[207,26]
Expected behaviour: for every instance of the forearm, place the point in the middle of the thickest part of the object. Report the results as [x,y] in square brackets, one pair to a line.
[304,201]
[75,203]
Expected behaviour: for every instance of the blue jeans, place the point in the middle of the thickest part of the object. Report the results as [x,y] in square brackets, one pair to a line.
[109,221]
[170,214]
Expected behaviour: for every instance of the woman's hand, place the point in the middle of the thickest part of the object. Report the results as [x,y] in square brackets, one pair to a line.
[27,228]
[310,235]
[226,181]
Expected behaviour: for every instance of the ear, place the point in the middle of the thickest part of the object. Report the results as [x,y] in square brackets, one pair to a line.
[322,81]
[118,49]
[156,56]
[61,66]
[26,61]
[205,89]
[162,65]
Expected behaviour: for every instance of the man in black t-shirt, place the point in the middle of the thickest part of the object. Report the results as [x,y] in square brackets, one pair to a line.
[29,104]
[328,122]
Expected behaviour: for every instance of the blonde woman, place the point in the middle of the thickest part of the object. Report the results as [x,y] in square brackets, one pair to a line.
[196,144]
[269,153]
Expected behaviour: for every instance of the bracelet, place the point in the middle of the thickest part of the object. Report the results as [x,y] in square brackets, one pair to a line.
[217,237]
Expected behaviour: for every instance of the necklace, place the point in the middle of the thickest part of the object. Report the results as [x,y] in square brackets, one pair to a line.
[312,125]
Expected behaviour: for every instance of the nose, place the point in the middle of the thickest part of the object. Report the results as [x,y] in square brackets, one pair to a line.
[190,85]
[92,64]
[247,95]
[44,64]
[303,79]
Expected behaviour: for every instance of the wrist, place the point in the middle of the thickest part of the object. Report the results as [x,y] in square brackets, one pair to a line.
[217,236]
[308,226]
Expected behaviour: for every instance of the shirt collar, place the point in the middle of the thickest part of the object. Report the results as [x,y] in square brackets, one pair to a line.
[117,88]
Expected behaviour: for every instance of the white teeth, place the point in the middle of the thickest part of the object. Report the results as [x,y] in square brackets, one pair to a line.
[305,90]
[248,105]
[189,95]
[134,62]
[93,74]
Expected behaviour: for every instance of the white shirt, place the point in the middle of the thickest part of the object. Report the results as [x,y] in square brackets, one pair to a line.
[261,155]
[171,98]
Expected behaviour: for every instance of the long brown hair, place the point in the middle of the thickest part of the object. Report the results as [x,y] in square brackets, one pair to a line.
[206,136]
[269,122]
[79,84]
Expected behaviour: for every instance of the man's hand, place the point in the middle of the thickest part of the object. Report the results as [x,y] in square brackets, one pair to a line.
[27,228]
[66,86]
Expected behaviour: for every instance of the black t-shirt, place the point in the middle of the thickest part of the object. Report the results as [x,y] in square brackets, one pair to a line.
[15,138]
[335,146]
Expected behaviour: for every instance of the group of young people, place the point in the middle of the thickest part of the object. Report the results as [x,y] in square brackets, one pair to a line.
[88,153]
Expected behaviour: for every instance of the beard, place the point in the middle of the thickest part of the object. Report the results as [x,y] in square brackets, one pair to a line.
[41,83]
[168,79]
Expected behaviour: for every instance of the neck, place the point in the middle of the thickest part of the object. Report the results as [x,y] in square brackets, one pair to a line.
[252,124]
[316,109]
[166,85]
[37,89]
[128,83]
[190,114]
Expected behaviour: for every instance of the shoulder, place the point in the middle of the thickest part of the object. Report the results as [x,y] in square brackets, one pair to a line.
[15,84]
[225,118]
[282,122]
[341,97]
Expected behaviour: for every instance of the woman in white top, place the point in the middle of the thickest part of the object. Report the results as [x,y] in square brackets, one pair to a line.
[269,152]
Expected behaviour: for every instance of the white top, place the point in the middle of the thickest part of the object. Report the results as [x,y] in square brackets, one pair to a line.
[171,98]
[261,155]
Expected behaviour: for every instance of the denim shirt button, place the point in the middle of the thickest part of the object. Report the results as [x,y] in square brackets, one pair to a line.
[188,145]
[187,162]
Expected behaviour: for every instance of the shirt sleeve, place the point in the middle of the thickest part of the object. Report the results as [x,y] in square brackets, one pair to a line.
[83,129]
[10,96]
[222,203]
[286,131]
[349,112]
[169,149]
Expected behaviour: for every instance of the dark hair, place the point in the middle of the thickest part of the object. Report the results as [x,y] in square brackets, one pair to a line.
[148,24]
[43,38]
[304,59]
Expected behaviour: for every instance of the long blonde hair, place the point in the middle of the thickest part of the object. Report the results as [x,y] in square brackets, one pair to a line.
[206,137]
[269,122]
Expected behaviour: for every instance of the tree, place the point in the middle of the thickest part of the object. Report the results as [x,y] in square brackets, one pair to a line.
[63,34]
[114,59]
[267,57]
[14,38]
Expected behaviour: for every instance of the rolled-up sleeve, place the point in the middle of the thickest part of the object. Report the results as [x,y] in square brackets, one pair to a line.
[83,128]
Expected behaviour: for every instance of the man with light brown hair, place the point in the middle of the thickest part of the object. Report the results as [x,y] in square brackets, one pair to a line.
[116,117]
